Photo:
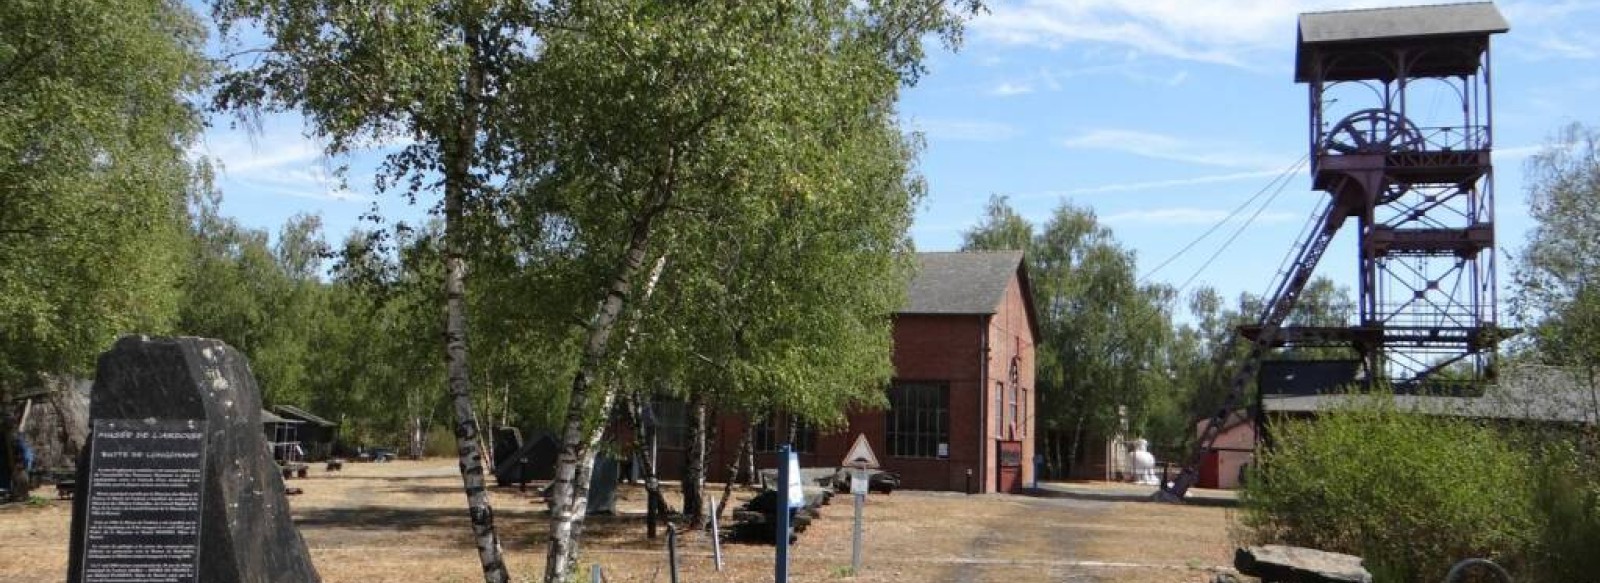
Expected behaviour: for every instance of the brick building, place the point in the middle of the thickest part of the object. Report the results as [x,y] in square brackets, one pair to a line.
[961,399]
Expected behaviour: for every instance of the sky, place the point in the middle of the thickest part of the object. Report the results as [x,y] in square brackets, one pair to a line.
[1162,116]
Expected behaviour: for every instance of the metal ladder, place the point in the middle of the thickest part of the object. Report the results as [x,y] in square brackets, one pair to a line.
[1272,316]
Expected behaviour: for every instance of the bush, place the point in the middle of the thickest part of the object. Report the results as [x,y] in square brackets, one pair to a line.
[1411,494]
[441,442]
[1566,502]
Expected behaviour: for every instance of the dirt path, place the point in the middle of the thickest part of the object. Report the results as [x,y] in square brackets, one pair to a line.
[405,521]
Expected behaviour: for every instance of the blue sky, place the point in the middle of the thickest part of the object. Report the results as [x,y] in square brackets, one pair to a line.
[1160,115]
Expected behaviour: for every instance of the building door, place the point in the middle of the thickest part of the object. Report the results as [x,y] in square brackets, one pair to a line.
[1009,478]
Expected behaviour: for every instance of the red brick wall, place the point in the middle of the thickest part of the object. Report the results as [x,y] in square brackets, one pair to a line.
[928,348]
[1010,336]
[944,349]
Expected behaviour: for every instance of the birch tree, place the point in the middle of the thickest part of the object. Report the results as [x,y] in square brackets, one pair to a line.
[431,75]
[94,124]
[654,115]
[1558,292]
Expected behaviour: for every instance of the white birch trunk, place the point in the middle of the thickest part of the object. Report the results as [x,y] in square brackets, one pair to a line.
[568,495]
[458,155]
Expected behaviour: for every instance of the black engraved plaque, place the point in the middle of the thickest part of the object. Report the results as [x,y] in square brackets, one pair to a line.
[146,483]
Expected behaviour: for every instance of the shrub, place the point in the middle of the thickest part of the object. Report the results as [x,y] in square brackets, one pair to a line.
[1411,494]
[1566,504]
[441,442]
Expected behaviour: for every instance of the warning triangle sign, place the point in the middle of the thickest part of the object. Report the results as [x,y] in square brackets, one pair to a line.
[860,455]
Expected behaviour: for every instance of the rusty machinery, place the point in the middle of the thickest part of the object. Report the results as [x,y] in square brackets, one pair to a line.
[1400,141]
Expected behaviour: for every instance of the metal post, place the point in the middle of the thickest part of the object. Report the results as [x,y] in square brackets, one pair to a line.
[649,515]
[780,568]
[969,481]
[716,536]
[594,574]
[672,553]
[855,543]
[1038,466]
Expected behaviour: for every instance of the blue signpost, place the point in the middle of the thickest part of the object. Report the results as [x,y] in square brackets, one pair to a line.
[780,569]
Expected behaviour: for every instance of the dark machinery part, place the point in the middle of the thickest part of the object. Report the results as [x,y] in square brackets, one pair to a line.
[1374,131]
[1269,322]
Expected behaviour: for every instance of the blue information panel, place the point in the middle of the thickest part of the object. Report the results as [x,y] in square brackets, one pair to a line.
[797,492]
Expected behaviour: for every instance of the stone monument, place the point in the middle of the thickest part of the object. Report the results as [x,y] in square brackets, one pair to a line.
[176,484]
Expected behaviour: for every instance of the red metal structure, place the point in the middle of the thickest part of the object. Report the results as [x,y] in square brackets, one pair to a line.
[1400,140]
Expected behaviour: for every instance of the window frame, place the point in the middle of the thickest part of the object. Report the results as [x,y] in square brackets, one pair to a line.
[999,410]
[921,423]
[774,429]
[672,431]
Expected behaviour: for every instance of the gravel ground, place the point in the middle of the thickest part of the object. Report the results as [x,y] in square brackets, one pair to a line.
[404,521]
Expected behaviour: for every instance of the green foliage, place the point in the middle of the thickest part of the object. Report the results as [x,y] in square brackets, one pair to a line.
[440,442]
[753,146]
[1556,294]
[1103,332]
[1566,499]
[1410,493]
[93,129]
[266,300]
[785,306]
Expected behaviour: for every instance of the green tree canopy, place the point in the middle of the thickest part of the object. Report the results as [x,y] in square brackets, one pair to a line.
[94,124]
[1558,274]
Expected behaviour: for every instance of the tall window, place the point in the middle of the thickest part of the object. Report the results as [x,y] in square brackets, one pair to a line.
[1016,412]
[1023,426]
[805,434]
[999,410]
[775,429]
[765,435]
[672,423]
[919,420]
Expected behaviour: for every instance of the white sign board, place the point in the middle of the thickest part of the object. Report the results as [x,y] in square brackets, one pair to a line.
[858,482]
[797,492]
[860,454]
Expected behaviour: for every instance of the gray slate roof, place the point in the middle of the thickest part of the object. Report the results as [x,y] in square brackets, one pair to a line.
[971,283]
[1402,22]
[270,417]
[301,414]
[1523,393]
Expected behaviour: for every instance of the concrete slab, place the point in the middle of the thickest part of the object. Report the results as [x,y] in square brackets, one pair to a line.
[1121,492]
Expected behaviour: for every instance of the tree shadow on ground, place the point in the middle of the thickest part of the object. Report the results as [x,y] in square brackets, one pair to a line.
[525,524]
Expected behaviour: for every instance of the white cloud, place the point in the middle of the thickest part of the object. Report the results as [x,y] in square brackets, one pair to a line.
[1560,46]
[1008,89]
[1227,32]
[275,161]
[1164,147]
[1516,154]
[965,130]
[1544,11]
[1155,184]
[1050,79]
[1190,216]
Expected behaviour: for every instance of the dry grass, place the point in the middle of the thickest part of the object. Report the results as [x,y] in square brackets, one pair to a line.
[404,521]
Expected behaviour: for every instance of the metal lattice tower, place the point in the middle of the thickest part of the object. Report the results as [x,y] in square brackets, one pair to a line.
[1400,140]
